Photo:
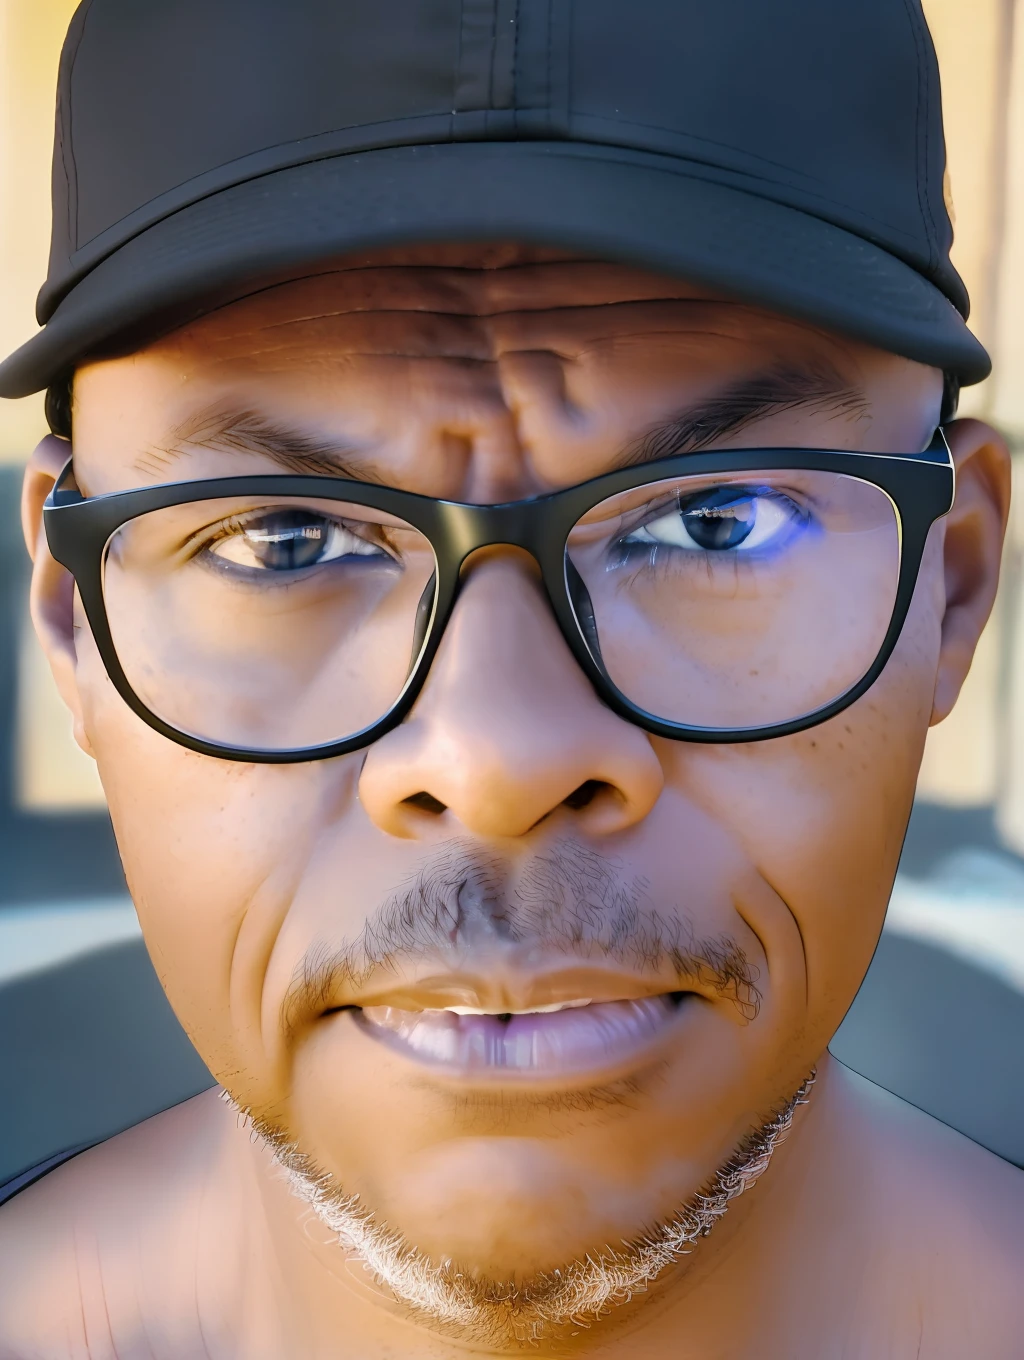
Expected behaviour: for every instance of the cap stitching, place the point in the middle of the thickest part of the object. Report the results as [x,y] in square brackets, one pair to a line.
[915,19]
[704,141]
[67,144]
[457,75]
[928,60]
[503,58]
[569,20]
[515,66]
[491,71]
[67,161]
[548,99]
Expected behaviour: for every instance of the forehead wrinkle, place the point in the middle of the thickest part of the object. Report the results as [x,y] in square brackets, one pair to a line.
[372,335]
[332,326]
[375,356]
[381,314]
[484,324]
[567,339]
[488,339]
[488,287]
[604,305]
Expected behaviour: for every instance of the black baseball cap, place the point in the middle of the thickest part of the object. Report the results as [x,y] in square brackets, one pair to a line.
[787,152]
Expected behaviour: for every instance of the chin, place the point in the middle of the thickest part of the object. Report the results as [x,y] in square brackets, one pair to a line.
[514,1208]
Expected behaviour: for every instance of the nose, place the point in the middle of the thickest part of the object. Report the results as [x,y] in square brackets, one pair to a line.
[507,729]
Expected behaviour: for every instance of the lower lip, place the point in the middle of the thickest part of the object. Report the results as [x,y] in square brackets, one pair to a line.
[579,1039]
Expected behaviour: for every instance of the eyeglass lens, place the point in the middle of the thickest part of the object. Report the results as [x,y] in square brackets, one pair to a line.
[721,601]
[272,626]
[737,600]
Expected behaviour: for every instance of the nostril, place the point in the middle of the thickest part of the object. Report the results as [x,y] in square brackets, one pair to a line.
[426,802]
[584,795]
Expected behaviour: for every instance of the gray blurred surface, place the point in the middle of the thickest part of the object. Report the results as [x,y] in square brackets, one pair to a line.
[945,1035]
[87,1048]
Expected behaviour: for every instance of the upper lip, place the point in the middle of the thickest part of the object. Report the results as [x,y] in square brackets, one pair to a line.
[504,991]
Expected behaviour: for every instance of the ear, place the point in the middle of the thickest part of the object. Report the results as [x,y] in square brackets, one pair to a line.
[52,597]
[974,533]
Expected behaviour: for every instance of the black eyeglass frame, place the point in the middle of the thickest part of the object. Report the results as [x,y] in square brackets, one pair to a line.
[920,487]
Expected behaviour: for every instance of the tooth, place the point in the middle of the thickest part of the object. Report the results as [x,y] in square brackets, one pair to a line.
[529,1010]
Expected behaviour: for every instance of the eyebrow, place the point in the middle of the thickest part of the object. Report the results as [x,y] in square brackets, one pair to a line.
[240,430]
[771,392]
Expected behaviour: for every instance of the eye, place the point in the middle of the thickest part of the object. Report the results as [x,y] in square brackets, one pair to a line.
[290,540]
[721,519]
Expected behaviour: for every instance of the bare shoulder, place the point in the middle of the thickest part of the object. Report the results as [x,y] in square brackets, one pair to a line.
[947,1220]
[926,1157]
[76,1247]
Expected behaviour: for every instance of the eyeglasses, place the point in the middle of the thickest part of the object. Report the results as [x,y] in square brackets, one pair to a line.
[723,596]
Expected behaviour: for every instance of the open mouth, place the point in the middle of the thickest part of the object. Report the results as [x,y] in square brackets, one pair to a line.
[570,1036]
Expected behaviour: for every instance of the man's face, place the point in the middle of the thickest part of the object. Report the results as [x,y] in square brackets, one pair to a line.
[514,844]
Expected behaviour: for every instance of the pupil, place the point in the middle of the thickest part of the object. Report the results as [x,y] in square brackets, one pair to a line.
[288,540]
[716,524]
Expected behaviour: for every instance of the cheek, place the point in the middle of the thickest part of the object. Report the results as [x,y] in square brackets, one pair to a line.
[822,814]
[213,852]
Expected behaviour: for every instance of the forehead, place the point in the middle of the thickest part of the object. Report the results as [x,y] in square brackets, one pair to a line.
[476,304]
[522,355]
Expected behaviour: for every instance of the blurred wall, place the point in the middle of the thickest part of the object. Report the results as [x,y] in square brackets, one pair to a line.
[976,758]
[31,33]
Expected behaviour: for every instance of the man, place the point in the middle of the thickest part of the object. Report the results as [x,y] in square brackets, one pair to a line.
[513,582]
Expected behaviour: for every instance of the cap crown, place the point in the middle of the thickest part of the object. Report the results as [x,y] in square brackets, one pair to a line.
[829,107]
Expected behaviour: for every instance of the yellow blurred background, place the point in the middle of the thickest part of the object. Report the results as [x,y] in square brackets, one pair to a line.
[976,758]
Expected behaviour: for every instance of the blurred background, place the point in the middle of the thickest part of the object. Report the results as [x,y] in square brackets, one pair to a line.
[87,1042]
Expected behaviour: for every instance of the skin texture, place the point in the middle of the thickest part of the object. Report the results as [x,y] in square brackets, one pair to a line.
[484,376]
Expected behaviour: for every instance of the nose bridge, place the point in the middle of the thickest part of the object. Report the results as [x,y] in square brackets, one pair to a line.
[502,644]
[507,727]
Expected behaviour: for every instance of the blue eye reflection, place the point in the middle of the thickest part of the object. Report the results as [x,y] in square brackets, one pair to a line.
[728,520]
[290,540]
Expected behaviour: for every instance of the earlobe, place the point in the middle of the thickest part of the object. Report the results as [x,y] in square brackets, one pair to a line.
[52,597]
[973,545]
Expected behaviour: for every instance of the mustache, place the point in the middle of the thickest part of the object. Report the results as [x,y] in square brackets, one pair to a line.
[571,902]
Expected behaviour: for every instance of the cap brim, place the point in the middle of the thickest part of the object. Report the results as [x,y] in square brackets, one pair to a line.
[605,201]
